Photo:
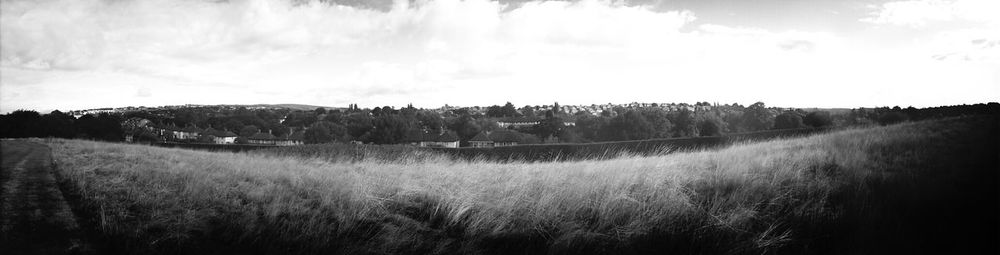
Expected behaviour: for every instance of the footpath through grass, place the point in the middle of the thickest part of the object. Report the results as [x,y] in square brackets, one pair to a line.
[925,187]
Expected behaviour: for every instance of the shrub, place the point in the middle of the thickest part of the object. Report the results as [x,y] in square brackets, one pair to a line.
[818,119]
[788,120]
[892,118]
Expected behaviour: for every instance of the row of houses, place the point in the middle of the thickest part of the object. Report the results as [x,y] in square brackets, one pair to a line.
[423,139]
[498,138]
[523,123]
[446,139]
[135,126]
[295,138]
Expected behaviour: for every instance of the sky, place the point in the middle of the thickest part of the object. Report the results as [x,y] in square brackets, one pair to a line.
[81,54]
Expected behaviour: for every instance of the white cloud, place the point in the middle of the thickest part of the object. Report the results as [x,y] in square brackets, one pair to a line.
[89,53]
[920,13]
[958,30]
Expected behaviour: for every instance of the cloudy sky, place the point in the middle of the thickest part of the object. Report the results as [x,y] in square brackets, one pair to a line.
[77,54]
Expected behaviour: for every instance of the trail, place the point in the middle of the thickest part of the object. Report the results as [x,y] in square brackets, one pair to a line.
[34,215]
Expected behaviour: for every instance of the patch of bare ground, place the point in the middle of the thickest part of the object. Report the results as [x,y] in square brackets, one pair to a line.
[34,216]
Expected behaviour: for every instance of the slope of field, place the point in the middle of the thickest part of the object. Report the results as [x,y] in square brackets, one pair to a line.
[925,187]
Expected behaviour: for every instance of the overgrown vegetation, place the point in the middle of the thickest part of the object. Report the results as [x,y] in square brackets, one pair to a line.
[351,153]
[919,187]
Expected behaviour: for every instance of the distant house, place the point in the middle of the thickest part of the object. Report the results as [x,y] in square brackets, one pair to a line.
[481,140]
[523,123]
[446,139]
[225,137]
[188,133]
[498,138]
[135,126]
[262,138]
[295,138]
[503,138]
[518,123]
[219,136]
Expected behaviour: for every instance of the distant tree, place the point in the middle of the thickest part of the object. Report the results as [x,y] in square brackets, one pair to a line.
[358,125]
[508,110]
[430,121]
[787,120]
[320,110]
[465,126]
[630,125]
[659,119]
[389,129]
[709,128]
[550,127]
[24,123]
[530,139]
[335,116]
[892,118]
[528,111]
[733,121]
[232,125]
[608,113]
[494,111]
[409,110]
[249,130]
[104,126]
[278,129]
[324,132]
[589,127]
[757,117]
[486,124]
[684,123]
[710,125]
[818,119]
[58,124]
[461,112]
[569,135]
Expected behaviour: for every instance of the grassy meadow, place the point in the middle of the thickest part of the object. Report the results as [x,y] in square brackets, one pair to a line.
[920,187]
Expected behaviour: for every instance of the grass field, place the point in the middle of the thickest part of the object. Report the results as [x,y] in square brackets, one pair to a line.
[923,187]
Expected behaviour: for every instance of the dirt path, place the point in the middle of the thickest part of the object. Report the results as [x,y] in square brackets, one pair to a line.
[34,216]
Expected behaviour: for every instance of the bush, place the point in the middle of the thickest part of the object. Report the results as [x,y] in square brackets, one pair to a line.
[892,118]
[788,120]
[709,127]
[818,119]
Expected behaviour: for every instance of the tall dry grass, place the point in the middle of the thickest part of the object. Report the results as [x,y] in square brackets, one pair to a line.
[783,196]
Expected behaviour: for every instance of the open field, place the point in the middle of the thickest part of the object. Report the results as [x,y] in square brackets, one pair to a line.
[923,187]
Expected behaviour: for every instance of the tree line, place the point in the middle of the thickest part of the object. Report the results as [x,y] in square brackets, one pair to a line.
[389,125]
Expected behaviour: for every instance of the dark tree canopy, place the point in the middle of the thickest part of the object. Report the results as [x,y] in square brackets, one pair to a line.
[358,125]
[757,117]
[630,125]
[324,132]
[788,120]
[684,123]
[249,130]
[710,125]
[818,119]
